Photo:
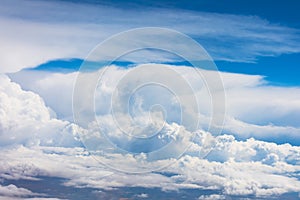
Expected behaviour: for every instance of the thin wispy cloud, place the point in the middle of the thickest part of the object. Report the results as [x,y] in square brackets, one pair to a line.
[39,31]
[47,153]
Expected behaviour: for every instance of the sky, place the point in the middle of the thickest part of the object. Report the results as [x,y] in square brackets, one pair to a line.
[149,99]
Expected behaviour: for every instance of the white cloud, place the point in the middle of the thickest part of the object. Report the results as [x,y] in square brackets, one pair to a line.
[34,198]
[24,119]
[143,195]
[33,141]
[38,198]
[38,31]
[246,168]
[243,168]
[212,197]
[50,86]
[13,191]
[253,109]
[249,167]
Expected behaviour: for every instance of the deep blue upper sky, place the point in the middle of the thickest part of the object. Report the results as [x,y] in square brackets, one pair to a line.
[279,69]
[283,12]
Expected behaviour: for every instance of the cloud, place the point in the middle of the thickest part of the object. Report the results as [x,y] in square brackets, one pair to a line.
[33,138]
[46,32]
[143,195]
[24,119]
[46,84]
[271,117]
[266,169]
[13,191]
[243,168]
[233,167]
[34,198]
[212,197]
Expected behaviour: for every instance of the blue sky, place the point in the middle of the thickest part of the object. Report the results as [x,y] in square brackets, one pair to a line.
[279,70]
[280,67]
[52,147]
[283,12]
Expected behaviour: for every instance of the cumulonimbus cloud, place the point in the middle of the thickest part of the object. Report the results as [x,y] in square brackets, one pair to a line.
[254,109]
[233,167]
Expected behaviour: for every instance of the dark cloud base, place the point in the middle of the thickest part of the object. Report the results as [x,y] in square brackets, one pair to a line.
[53,187]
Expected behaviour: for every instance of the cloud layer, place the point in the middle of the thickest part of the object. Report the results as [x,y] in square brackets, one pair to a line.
[254,155]
[249,167]
[39,31]
[253,108]
[24,118]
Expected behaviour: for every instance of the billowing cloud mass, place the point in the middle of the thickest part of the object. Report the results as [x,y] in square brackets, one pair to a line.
[24,118]
[160,145]
[253,108]
[38,31]
[35,144]
[12,190]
